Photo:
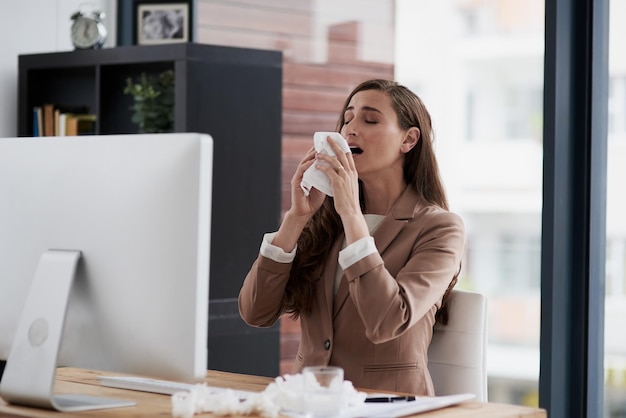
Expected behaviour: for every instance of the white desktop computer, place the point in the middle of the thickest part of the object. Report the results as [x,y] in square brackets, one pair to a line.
[104,260]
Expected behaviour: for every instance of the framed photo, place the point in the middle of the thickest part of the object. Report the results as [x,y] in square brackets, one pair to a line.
[162,23]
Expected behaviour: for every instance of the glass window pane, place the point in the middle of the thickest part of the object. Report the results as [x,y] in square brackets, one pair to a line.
[615,302]
[478,65]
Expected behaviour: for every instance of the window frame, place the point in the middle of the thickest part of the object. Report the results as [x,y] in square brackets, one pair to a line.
[571,381]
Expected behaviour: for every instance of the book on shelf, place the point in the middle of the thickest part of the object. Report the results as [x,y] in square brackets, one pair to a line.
[37,121]
[80,124]
[48,119]
[57,115]
[62,124]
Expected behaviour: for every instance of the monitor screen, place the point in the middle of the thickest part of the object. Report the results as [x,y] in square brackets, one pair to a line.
[110,234]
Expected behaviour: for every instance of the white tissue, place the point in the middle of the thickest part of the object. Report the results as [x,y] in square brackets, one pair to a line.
[202,399]
[317,178]
[284,395]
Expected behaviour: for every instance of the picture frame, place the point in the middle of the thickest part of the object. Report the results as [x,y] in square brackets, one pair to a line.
[162,23]
[150,22]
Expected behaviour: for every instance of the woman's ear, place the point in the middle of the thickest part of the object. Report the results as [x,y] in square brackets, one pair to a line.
[411,138]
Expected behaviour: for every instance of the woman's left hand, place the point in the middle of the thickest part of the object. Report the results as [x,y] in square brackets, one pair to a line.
[344,179]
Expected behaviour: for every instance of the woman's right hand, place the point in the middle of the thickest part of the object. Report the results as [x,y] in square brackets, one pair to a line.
[302,205]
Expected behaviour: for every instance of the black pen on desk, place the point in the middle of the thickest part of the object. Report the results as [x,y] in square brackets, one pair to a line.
[389,399]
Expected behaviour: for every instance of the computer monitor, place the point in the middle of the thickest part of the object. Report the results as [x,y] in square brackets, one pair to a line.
[104,259]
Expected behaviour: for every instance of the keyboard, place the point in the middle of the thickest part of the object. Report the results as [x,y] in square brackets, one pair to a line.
[166,387]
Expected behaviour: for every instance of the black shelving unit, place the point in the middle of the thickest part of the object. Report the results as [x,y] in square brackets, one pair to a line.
[234,94]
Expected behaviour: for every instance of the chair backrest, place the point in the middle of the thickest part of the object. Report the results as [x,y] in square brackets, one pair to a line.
[457,352]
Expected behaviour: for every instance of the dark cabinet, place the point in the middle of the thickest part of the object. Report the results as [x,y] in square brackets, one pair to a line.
[234,94]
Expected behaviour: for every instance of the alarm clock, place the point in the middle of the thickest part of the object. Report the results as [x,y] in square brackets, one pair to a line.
[88,31]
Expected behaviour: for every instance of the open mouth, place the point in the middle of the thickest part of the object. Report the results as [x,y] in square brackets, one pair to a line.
[356,150]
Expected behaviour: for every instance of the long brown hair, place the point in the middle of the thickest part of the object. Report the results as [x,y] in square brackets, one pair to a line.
[420,170]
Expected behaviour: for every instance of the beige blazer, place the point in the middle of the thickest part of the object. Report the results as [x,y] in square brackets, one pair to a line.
[380,323]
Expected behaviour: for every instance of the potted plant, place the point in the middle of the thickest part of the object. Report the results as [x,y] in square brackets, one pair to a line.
[153,107]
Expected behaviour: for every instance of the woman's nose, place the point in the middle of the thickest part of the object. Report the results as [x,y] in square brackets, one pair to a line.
[348,129]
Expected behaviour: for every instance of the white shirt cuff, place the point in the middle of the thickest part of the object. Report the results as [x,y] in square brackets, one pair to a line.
[275,253]
[356,251]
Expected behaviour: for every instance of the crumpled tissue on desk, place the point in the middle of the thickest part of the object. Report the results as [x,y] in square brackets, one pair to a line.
[283,395]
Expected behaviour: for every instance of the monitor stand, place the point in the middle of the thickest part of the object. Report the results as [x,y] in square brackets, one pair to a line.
[31,367]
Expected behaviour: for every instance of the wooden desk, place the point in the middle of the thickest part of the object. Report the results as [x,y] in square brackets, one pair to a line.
[72,380]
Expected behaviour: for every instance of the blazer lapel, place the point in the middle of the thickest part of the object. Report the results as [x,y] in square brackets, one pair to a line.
[341,296]
[401,213]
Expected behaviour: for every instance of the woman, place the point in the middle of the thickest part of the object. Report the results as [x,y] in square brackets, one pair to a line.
[365,271]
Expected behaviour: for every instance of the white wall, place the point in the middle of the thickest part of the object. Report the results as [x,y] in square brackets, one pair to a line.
[37,26]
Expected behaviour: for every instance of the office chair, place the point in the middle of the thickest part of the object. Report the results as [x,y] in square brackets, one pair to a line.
[457,352]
